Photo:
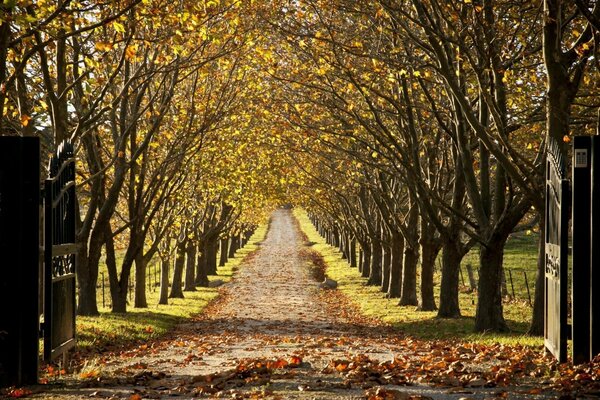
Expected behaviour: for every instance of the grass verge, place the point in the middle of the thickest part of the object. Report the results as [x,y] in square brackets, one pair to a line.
[424,325]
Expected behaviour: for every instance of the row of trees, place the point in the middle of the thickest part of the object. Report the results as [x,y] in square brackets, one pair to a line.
[160,99]
[427,125]
[409,128]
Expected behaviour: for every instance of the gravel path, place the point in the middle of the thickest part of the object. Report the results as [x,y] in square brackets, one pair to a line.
[273,334]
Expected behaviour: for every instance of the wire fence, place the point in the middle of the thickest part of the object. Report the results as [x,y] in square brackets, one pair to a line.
[516,283]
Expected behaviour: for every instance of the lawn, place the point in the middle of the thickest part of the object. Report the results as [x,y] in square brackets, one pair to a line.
[520,256]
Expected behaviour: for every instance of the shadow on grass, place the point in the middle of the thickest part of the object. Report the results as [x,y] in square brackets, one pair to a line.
[458,328]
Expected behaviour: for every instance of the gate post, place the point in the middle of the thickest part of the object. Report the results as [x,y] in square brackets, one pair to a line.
[595,251]
[582,208]
[19,249]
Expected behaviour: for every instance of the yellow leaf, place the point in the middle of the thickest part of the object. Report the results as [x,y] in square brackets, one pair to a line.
[130,52]
[25,119]
[103,46]
[119,27]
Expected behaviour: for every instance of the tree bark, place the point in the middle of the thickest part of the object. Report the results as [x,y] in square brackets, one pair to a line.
[190,266]
[176,286]
[140,300]
[213,245]
[429,253]
[451,258]
[409,279]
[343,245]
[223,250]
[87,304]
[234,245]
[360,259]
[397,250]
[366,264]
[353,261]
[385,269]
[87,273]
[202,267]
[375,277]
[164,281]
[489,313]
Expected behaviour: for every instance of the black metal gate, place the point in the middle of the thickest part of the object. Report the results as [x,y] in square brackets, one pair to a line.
[19,265]
[60,254]
[556,257]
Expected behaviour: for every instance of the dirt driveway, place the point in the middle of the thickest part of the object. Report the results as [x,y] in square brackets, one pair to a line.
[274,333]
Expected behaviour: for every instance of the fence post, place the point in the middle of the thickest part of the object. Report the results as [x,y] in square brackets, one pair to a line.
[103,298]
[512,286]
[527,286]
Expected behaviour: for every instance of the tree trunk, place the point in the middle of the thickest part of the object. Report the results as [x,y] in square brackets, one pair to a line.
[87,304]
[376,261]
[360,259]
[119,286]
[190,265]
[164,281]
[223,250]
[429,252]
[385,269]
[353,261]
[537,320]
[489,315]
[366,264]
[87,276]
[234,245]
[336,238]
[451,258]
[409,279]
[202,267]
[212,256]
[176,286]
[140,300]
[119,302]
[397,249]
[343,245]
[471,277]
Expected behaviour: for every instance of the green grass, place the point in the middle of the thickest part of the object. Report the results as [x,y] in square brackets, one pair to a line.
[520,260]
[109,330]
[425,325]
